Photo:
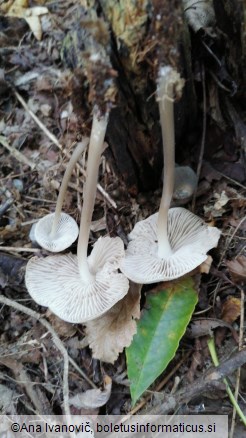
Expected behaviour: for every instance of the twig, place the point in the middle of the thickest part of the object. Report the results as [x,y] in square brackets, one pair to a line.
[57,341]
[240,346]
[204,127]
[232,180]
[18,249]
[15,153]
[32,198]
[77,368]
[54,140]
[218,82]
[37,121]
[211,53]
[229,241]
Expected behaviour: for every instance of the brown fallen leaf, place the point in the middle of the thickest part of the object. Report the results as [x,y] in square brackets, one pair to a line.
[93,398]
[20,9]
[217,210]
[237,269]
[205,326]
[231,309]
[110,334]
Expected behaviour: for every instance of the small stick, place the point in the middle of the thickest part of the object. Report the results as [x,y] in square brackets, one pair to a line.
[18,249]
[32,198]
[4,207]
[229,241]
[56,142]
[204,126]
[57,341]
[232,180]
[17,154]
[204,384]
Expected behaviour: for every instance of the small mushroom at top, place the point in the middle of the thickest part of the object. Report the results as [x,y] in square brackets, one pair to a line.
[57,231]
[80,288]
[174,241]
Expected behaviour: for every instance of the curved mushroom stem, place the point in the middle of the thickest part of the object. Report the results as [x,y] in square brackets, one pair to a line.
[168,78]
[67,175]
[99,126]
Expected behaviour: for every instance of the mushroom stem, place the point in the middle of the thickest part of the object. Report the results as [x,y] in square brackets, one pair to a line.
[67,175]
[168,79]
[99,126]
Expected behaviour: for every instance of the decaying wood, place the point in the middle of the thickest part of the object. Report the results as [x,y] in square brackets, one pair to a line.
[133,40]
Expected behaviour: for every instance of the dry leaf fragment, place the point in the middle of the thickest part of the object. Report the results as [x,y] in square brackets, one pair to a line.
[111,333]
[205,326]
[237,269]
[217,210]
[20,9]
[231,309]
[93,398]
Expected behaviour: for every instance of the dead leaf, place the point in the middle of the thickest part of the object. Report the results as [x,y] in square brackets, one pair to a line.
[110,334]
[93,398]
[205,326]
[222,200]
[237,269]
[217,209]
[231,309]
[20,9]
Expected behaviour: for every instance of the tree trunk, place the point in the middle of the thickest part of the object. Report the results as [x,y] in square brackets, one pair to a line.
[116,50]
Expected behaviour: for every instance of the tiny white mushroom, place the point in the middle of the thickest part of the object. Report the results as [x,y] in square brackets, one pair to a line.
[57,231]
[173,242]
[80,288]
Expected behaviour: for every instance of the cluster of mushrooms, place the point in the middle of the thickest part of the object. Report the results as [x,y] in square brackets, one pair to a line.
[165,246]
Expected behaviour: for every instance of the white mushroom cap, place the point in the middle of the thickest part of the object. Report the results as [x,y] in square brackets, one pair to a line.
[185,183]
[55,282]
[190,239]
[66,233]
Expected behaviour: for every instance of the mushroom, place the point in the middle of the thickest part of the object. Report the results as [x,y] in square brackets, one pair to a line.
[80,288]
[185,184]
[174,241]
[57,231]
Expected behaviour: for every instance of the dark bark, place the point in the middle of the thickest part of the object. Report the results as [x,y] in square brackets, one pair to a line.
[133,39]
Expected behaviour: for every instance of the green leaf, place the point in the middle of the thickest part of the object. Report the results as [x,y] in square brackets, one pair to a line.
[159,331]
